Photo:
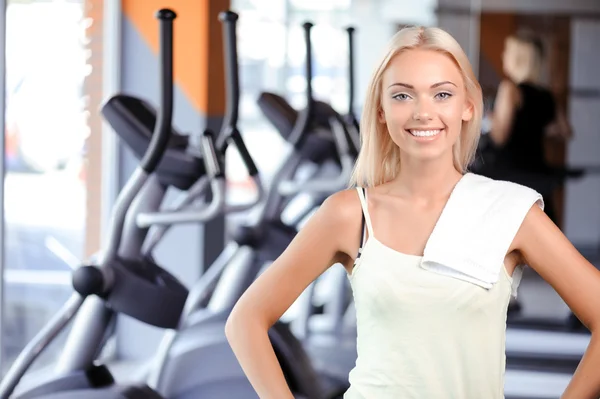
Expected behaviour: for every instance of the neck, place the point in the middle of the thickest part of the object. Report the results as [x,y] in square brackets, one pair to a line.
[430,180]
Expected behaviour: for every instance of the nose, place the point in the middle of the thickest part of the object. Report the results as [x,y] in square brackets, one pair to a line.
[423,110]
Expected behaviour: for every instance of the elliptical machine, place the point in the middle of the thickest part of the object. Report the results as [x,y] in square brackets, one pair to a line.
[195,360]
[106,288]
[125,280]
[325,326]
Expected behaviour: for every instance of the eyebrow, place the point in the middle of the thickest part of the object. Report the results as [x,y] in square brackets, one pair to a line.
[433,86]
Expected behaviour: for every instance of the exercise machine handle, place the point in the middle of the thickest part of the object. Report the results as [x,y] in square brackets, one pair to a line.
[216,176]
[350,31]
[202,215]
[306,116]
[351,121]
[212,162]
[326,185]
[229,20]
[351,118]
[308,71]
[236,138]
[230,130]
[162,129]
[185,212]
[199,189]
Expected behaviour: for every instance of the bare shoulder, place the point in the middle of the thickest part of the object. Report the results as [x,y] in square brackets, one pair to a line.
[341,214]
[342,205]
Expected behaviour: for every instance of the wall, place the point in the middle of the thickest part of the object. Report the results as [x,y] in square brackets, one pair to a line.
[582,222]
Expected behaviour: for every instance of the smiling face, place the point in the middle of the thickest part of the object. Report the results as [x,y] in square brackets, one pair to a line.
[424,104]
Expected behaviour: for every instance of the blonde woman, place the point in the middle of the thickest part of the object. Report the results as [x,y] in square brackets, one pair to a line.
[434,268]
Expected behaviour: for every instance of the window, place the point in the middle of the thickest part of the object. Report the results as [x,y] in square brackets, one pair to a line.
[272,58]
[46,128]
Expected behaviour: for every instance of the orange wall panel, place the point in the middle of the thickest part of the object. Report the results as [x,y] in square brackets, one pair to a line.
[494,29]
[198,47]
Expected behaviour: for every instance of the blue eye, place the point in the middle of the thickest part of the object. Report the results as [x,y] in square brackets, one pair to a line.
[443,95]
[401,96]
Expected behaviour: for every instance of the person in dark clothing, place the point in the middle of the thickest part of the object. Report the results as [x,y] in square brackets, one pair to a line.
[524,114]
[523,147]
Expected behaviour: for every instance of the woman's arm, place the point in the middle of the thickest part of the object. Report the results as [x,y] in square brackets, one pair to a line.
[321,243]
[505,105]
[577,281]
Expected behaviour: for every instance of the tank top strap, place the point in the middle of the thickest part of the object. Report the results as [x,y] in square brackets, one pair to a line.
[362,195]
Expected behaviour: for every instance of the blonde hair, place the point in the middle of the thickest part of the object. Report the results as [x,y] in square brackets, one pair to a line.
[379,158]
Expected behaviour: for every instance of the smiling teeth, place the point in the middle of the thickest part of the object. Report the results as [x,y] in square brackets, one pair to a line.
[424,133]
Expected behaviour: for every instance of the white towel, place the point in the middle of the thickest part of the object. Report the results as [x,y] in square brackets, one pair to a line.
[476,229]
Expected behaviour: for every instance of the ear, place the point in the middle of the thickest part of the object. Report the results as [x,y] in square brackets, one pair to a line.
[467,114]
[380,115]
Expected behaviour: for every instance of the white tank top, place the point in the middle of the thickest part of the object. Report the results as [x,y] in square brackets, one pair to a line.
[421,334]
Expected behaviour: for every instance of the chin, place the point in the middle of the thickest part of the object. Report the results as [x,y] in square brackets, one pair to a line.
[430,154]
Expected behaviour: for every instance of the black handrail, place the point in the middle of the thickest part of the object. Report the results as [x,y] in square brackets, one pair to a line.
[231,133]
[302,126]
[162,129]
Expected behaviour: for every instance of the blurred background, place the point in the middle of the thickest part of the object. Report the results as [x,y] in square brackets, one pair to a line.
[63,166]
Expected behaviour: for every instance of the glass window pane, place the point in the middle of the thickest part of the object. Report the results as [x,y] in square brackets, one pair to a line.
[262,38]
[45,193]
[279,68]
